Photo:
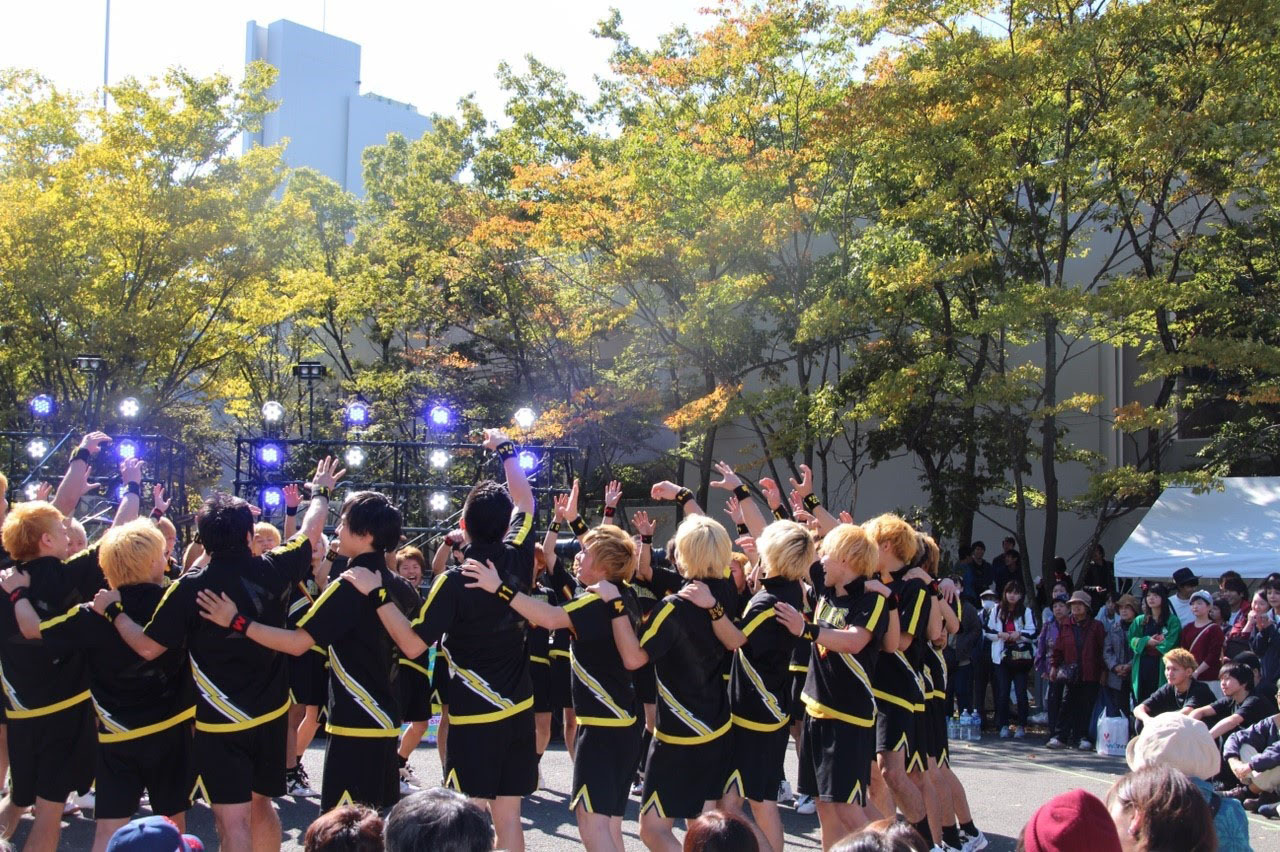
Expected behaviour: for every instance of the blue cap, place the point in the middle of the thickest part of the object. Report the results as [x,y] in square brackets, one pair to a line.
[153,834]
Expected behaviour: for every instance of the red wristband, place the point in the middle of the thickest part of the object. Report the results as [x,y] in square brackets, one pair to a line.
[240,624]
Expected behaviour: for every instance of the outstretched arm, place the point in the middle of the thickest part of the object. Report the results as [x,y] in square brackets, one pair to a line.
[517,483]
[131,476]
[292,499]
[612,494]
[393,621]
[142,644]
[751,514]
[804,490]
[75,482]
[668,490]
[326,477]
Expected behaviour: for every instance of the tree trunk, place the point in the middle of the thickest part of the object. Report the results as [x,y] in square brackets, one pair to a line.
[1049,446]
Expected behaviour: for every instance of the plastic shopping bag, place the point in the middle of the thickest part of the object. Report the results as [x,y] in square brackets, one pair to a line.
[1113,735]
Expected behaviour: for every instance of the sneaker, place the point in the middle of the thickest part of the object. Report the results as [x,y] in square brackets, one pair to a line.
[1005,733]
[1019,733]
[86,802]
[409,782]
[637,787]
[1269,811]
[1055,743]
[785,793]
[973,843]
[1085,745]
[1238,793]
[805,804]
[1039,719]
[70,808]
[296,783]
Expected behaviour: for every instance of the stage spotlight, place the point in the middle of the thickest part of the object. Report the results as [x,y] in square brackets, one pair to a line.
[42,406]
[272,498]
[270,455]
[439,501]
[32,490]
[527,460]
[37,448]
[524,418]
[440,416]
[357,413]
[354,456]
[129,408]
[127,449]
[272,411]
[438,459]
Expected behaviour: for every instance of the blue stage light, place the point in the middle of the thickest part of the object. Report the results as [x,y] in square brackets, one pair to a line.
[42,406]
[357,413]
[527,460]
[440,416]
[272,498]
[127,449]
[270,455]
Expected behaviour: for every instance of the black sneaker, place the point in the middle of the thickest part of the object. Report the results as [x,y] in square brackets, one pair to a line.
[297,784]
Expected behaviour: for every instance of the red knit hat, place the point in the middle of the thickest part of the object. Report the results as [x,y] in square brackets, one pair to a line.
[1071,822]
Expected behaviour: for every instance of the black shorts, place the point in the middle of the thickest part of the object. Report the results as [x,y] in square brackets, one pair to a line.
[231,767]
[440,681]
[415,694]
[561,681]
[308,680]
[540,673]
[680,779]
[835,760]
[360,771]
[755,765]
[493,759]
[51,756]
[646,682]
[604,764]
[935,724]
[897,729]
[158,763]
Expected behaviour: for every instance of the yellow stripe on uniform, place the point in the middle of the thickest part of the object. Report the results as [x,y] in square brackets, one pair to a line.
[48,709]
[758,620]
[525,526]
[598,690]
[147,730]
[343,730]
[412,665]
[581,796]
[436,586]
[915,616]
[319,602]
[653,802]
[666,610]
[900,702]
[209,690]
[58,619]
[759,726]
[495,716]
[876,613]
[356,690]
[578,603]
[232,727]
[168,591]
[698,740]
[770,700]
[821,711]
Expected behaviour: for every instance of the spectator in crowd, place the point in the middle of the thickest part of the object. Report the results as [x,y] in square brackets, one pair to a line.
[1011,628]
[151,833]
[1236,594]
[1240,705]
[1107,611]
[977,571]
[718,831]
[1008,563]
[1181,693]
[1151,635]
[1253,756]
[1118,656]
[1265,639]
[1218,614]
[1070,822]
[1203,638]
[983,681]
[1050,692]
[438,819]
[1098,572]
[348,828]
[1059,592]
[884,835]
[965,645]
[1185,582]
[1185,744]
[1158,809]
[1077,664]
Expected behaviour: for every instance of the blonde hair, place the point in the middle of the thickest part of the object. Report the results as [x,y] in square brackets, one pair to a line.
[853,546]
[787,550]
[1181,657]
[899,534]
[129,553]
[704,548]
[928,554]
[411,553]
[166,527]
[25,525]
[265,529]
[613,551]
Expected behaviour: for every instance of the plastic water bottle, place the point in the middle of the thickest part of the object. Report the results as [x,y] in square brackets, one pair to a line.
[953,725]
[974,727]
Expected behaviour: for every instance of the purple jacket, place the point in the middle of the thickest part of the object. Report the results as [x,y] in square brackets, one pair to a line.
[1263,736]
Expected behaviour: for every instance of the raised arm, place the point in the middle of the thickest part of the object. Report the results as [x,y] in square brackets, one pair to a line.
[107,603]
[131,476]
[644,555]
[485,576]
[612,494]
[804,491]
[568,507]
[75,482]
[292,499]
[668,490]
[752,517]
[517,483]
[221,610]
[322,483]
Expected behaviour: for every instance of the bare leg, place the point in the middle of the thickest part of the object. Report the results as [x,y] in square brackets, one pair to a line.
[10,814]
[934,801]
[411,738]
[102,831]
[768,823]
[656,832]
[836,820]
[905,793]
[542,732]
[881,798]
[296,714]
[959,801]
[615,828]
[596,831]
[4,756]
[733,802]
[47,827]
[264,824]
[505,811]
[233,823]
[442,734]
[570,731]
[307,727]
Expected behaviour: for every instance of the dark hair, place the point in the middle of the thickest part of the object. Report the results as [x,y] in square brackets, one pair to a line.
[371,513]
[1009,540]
[1227,575]
[1271,585]
[487,512]
[1237,585]
[1175,816]
[349,828]
[225,524]
[1165,609]
[438,819]
[717,831]
[978,543]
[1012,586]
[1250,659]
[1241,672]
[892,839]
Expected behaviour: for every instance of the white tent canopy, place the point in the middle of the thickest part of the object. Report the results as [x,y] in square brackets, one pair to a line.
[1237,529]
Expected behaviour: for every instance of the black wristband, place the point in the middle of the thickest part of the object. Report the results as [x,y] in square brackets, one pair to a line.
[133,488]
[894,601]
[506,593]
[83,455]
[319,491]
[716,612]
[17,594]
[379,596]
[610,511]
[742,492]
[781,514]
[646,539]
[331,554]
[578,526]
[240,624]
[555,527]
[743,529]
[811,501]
[115,609]
[506,450]
[684,495]
[810,632]
[291,511]
[156,514]
[619,608]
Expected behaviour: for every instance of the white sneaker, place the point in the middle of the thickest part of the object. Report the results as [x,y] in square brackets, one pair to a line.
[297,784]
[805,804]
[785,793]
[1055,743]
[1085,745]
[637,787]
[1039,719]
[409,782]
[86,802]
[973,844]
[1019,733]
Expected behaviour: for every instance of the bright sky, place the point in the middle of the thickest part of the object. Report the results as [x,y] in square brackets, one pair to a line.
[427,53]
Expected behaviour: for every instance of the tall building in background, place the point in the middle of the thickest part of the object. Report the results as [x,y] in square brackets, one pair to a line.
[322,115]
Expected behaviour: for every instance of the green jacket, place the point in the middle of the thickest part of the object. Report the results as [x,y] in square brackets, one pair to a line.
[1138,644]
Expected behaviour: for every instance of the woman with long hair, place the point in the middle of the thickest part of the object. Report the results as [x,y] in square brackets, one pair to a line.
[1158,809]
[1011,628]
[1151,636]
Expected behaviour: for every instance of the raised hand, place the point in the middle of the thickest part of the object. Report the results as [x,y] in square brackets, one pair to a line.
[218,608]
[733,509]
[558,505]
[747,544]
[327,473]
[493,438]
[483,575]
[157,499]
[571,503]
[612,493]
[643,526]
[94,441]
[664,490]
[131,470]
[728,479]
[845,517]
[772,493]
[43,490]
[805,486]
[292,496]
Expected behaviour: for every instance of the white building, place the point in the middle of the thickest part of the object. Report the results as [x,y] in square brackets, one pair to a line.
[322,116]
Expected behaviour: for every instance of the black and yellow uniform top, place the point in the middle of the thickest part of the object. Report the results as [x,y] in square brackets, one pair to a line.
[538,639]
[566,588]
[484,638]
[603,692]
[802,651]
[39,679]
[362,656]
[760,680]
[935,664]
[693,704]
[240,684]
[839,685]
[301,597]
[897,676]
[409,601]
[134,696]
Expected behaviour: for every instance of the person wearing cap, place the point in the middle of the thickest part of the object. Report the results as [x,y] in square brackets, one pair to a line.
[1077,665]
[1117,656]
[1185,583]
[153,834]
[1069,822]
[1185,744]
[1253,756]
[1203,639]
[1181,692]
